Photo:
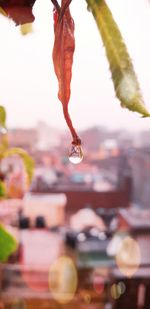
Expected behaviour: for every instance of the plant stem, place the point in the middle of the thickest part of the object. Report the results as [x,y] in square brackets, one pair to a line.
[56,5]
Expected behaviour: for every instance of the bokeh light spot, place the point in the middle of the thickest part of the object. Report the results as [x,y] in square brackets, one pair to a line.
[87,298]
[122,287]
[18,303]
[115,291]
[63,279]
[128,257]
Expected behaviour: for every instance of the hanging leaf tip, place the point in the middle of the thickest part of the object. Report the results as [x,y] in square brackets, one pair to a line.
[63,51]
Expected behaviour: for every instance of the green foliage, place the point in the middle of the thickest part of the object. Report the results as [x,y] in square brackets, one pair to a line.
[5,151]
[8,244]
[2,189]
[124,78]
[2,116]
[27,160]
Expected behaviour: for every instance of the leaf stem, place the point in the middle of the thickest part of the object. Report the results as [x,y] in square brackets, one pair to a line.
[76,139]
[63,9]
[56,5]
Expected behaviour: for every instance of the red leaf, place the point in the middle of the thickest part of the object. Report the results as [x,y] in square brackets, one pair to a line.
[63,51]
[18,10]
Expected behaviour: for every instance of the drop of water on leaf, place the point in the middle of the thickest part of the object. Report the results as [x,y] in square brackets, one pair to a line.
[76,154]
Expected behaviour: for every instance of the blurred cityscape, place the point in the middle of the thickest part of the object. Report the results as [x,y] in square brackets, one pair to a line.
[83,229]
[111,158]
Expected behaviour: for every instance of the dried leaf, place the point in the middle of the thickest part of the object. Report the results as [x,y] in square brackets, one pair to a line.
[63,51]
[124,78]
[18,10]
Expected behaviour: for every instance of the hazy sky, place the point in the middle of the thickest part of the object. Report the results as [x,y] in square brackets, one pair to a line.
[28,86]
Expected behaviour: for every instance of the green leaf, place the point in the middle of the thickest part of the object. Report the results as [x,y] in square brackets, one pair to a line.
[27,160]
[8,244]
[2,189]
[2,116]
[124,78]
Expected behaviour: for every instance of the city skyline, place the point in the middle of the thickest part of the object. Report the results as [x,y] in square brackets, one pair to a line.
[28,83]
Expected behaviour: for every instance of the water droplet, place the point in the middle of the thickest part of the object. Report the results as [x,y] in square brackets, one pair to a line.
[76,154]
